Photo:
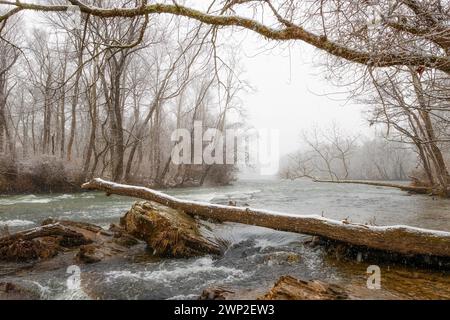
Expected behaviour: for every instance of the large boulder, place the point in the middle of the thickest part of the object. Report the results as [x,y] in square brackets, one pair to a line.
[169,232]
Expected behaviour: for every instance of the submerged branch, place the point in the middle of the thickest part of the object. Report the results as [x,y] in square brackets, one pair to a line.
[414,189]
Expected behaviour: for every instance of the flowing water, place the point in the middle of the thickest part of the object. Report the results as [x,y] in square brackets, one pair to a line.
[256,256]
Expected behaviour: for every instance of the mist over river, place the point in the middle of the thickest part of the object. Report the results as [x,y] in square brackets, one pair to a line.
[256,258]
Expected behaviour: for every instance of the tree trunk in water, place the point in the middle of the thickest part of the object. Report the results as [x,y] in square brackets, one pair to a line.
[425,163]
[399,239]
[413,189]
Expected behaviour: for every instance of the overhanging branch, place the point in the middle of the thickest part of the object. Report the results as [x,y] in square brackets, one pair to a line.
[292,32]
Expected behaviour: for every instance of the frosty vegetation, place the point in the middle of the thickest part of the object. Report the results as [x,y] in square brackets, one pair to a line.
[334,155]
[103,100]
[103,96]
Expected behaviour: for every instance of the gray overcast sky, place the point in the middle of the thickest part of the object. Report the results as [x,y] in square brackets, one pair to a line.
[290,93]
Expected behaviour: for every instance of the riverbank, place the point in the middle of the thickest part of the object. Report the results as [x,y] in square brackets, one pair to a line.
[67,249]
[256,257]
[52,175]
[60,244]
[43,175]
[96,267]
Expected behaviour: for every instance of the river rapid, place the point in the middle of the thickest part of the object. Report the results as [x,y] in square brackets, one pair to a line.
[256,257]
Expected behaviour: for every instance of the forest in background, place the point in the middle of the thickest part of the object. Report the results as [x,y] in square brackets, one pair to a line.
[85,101]
[334,155]
[104,98]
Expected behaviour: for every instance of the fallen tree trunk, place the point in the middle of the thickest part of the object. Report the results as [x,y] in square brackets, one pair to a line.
[413,189]
[400,239]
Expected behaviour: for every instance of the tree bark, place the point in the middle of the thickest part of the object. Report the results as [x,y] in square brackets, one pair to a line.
[442,174]
[400,239]
[286,33]
[168,232]
[55,229]
[47,114]
[76,91]
[139,137]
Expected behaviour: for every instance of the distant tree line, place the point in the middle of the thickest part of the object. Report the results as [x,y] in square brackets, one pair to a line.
[332,154]
[103,97]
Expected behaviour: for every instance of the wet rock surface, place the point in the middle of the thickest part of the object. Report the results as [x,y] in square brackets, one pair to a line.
[116,265]
[147,231]
[40,243]
[12,291]
[286,288]
[169,232]
[216,293]
[290,288]
[58,240]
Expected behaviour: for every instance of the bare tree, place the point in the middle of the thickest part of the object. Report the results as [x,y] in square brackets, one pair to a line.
[9,54]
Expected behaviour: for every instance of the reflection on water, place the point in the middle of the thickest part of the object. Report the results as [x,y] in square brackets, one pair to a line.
[256,257]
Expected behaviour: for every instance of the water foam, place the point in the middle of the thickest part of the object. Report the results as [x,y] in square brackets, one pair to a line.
[191,271]
[16,223]
[26,199]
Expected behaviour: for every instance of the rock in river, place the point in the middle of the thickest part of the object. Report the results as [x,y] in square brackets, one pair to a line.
[290,288]
[169,232]
[82,242]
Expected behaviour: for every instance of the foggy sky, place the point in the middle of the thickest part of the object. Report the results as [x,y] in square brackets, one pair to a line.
[292,95]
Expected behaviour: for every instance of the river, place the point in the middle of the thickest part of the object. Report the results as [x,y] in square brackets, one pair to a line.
[256,256]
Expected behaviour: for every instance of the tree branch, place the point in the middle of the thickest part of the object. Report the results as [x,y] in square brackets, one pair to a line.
[293,32]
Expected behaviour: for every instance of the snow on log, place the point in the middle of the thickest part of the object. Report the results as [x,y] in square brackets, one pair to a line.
[400,239]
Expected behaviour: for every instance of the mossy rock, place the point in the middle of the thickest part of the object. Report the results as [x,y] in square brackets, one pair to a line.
[169,232]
